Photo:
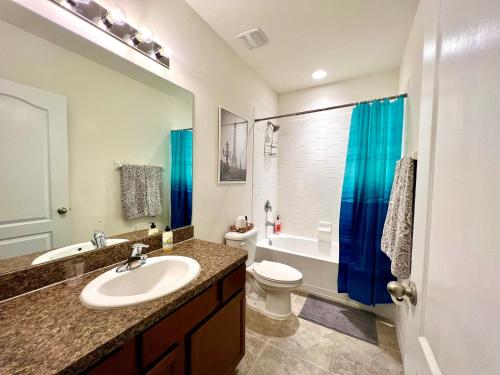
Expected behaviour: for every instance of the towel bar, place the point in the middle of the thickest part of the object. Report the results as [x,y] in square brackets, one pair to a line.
[118,166]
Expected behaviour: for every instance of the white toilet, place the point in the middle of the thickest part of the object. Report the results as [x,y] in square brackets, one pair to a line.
[268,284]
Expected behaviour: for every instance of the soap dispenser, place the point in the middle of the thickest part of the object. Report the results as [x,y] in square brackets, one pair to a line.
[168,240]
[277,225]
[152,230]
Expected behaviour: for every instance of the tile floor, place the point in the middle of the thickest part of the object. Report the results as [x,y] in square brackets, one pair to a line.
[299,347]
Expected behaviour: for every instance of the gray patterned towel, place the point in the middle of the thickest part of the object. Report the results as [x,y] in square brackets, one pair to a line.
[141,187]
[398,228]
[154,190]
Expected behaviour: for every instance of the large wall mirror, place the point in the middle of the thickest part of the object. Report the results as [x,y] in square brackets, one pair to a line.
[84,148]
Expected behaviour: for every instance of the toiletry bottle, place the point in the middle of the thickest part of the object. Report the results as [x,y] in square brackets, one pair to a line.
[277,225]
[152,230]
[168,240]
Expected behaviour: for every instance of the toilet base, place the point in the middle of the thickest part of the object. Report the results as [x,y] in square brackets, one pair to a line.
[283,312]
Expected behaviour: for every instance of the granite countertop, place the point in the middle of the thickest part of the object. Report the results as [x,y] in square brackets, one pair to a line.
[50,331]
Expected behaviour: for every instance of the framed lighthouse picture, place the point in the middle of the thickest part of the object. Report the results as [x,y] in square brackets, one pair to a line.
[233,137]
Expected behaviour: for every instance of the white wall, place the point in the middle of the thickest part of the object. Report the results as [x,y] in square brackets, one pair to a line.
[358,89]
[410,80]
[205,65]
[265,180]
[110,117]
[312,150]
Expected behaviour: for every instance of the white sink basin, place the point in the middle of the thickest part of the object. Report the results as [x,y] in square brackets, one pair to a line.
[157,278]
[75,249]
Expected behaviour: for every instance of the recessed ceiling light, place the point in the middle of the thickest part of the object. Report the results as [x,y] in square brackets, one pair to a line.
[319,74]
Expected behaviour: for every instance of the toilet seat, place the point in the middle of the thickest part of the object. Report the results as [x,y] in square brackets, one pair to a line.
[277,272]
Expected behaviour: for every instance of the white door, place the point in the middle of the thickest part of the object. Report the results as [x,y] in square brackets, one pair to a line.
[455,327]
[33,170]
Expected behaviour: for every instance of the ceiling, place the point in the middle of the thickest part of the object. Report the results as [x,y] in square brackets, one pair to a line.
[347,38]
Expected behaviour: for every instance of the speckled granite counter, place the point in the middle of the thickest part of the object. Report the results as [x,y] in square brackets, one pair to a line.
[50,331]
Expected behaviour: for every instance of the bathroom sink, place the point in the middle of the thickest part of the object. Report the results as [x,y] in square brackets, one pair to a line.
[158,277]
[75,249]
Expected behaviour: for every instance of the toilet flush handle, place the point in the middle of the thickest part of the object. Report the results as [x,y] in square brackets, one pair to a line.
[243,244]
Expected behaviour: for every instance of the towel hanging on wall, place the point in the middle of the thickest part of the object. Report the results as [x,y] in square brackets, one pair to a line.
[141,188]
[398,228]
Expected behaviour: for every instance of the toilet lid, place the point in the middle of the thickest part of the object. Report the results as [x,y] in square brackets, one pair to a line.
[278,272]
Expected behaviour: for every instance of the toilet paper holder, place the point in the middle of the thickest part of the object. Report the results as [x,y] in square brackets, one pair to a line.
[399,291]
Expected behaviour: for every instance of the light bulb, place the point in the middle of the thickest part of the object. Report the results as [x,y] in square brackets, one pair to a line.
[319,74]
[114,16]
[165,51]
[143,35]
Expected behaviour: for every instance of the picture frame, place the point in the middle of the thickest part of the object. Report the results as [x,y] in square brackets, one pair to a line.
[233,143]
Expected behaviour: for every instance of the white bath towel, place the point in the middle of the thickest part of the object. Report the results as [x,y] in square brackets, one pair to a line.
[141,188]
[398,228]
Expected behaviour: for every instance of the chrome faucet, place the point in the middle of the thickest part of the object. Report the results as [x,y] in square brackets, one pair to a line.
[98,239]
[136,258]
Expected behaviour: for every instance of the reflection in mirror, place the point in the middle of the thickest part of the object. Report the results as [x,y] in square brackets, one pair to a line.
[86,153]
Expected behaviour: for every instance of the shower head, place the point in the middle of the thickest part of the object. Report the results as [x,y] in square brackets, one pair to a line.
[275,127]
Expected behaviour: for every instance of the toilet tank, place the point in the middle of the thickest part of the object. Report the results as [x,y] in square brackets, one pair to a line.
[247,241]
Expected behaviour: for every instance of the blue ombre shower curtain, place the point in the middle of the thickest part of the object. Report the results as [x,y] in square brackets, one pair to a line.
[374,147]
[181,177]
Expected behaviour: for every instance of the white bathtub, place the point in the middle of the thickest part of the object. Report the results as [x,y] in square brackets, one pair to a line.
[318,263]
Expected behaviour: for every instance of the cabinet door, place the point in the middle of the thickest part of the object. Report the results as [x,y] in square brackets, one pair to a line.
[173,329]
[171,364]
[123,361]
[219,344]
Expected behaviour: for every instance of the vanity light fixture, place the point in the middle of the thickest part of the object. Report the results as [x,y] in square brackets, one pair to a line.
[113,21]
[76,2]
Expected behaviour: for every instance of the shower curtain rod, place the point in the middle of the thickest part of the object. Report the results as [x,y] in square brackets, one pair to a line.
[329,108]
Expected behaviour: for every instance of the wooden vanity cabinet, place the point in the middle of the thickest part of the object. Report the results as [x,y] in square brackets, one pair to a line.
[204,336]
[219,344]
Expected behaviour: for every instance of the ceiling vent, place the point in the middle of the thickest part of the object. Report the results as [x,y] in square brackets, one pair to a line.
[253,38]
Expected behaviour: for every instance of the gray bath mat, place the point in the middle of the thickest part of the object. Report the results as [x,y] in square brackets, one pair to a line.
[349,320]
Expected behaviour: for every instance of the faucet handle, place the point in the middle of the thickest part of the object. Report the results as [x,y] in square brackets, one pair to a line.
[137,249]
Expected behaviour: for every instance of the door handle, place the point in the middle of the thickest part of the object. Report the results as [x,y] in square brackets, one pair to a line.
[62,210]
[399,290]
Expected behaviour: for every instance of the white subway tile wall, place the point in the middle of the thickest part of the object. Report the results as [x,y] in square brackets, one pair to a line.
[265,180]
[311,161]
